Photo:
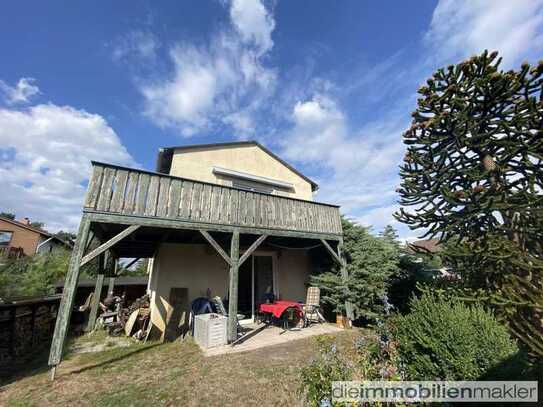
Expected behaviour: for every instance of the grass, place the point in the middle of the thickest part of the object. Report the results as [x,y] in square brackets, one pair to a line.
[168,374]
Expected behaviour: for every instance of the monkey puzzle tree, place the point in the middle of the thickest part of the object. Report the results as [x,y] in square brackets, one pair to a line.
[473,175]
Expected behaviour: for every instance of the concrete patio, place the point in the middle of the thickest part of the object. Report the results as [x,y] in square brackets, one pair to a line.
[259,336]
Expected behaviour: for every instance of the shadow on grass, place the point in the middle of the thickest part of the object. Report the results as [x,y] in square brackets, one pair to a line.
[34,365]
[114,358]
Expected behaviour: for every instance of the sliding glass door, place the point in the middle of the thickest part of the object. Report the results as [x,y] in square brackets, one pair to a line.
[256,282]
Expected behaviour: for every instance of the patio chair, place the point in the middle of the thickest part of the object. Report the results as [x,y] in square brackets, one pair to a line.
[312,306]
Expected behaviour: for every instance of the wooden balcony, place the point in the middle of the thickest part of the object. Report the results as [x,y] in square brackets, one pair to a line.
[137,193]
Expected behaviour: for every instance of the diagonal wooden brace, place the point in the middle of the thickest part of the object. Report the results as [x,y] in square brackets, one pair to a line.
[111,242]
[217,247]
[251,249]
[332,252]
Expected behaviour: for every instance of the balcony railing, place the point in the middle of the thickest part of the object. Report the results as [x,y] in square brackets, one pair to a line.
[127,191]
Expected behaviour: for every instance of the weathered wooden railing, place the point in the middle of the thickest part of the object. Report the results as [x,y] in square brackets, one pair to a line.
[121,190]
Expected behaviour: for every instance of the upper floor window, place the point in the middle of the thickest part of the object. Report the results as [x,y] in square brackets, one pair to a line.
[252,186]
[251,182]
[5,238]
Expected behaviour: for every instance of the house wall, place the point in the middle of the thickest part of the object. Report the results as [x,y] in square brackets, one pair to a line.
[199,267]
[198,163]
[22,237]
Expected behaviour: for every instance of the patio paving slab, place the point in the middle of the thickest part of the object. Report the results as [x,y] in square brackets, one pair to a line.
[271,335]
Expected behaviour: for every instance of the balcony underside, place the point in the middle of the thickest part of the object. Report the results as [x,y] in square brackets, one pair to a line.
[145,241]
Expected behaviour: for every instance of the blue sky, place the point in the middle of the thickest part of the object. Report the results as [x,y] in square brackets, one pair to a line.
[327,85]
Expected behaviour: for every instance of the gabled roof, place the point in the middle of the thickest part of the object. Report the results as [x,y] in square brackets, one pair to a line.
[165,155]
[36,230]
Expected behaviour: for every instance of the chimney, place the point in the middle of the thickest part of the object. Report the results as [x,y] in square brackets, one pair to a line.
[26,221]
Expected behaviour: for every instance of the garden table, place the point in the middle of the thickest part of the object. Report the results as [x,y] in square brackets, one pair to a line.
[277,309]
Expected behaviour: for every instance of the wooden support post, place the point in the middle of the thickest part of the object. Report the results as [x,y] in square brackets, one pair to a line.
[251,249]
[68,295]
[345,275]
[233,291]
[97,293]
[111,286]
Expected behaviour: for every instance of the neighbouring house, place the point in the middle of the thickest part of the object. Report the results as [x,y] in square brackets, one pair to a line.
[232,220]
[427,246]
[19,238]
[431,247]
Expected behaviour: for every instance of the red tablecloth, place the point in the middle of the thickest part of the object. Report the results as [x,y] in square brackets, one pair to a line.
[278,307]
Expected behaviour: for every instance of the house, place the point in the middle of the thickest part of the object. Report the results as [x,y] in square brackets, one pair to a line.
[232,220]
[427,246]
[19,238]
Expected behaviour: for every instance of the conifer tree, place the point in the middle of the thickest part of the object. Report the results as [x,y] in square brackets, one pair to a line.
[472,175]
[371,261]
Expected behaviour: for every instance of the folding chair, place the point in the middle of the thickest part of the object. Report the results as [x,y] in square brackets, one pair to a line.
[312,306]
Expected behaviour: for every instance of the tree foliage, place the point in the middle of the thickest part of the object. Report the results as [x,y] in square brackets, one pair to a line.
[472,172]
[371,261]
[36,275]
[475,151]
[7,215]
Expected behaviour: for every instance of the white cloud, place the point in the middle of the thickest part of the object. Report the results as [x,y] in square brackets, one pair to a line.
[22,92]
[253,22]
[359,168]
[223,83]
[45,158]
[379,217]
[321,136]
[462,28]
[209,87]
[139,44]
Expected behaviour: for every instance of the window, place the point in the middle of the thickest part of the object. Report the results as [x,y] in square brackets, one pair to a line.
[5,238]
[252,186]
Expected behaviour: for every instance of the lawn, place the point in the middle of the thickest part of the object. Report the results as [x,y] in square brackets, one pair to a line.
[167,374]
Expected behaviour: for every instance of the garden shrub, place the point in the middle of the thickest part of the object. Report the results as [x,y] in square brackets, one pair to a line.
[366,358]
[448,340]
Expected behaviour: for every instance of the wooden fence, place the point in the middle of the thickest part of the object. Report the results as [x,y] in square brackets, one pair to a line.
[26,325]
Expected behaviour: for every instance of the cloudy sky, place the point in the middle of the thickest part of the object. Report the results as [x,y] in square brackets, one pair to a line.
[327,85]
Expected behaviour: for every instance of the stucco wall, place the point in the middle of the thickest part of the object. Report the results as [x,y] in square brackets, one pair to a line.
[198,164]
[198,267]
[294,268]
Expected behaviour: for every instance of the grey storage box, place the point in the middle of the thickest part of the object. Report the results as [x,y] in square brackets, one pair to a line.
[210,330]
